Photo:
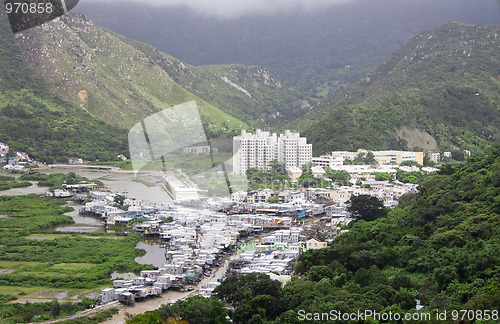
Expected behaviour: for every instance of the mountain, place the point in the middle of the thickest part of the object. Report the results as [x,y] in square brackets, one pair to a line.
[95,68]
[105,76]
[34,120]
[439,91]
[250,93]
[316,52]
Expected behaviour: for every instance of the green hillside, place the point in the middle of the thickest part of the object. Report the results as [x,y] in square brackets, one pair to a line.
[250,93]
[317,52]
[34,120]
[103,74]
[437,246]
[439,91]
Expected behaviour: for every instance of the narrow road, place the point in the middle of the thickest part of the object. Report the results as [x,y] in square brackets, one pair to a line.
[82,314]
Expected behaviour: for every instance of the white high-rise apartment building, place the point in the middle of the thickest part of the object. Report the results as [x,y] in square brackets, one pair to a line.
[257,150]
[293,150]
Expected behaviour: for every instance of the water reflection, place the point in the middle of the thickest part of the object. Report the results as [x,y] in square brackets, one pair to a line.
[34,189]
[139,188]
[155,252]
[82,219]
[83,223]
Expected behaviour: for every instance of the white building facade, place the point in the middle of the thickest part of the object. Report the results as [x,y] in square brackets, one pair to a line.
[382,157]
[257,150]
[293,150]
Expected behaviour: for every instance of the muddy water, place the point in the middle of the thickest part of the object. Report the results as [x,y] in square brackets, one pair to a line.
[155,252]
[83,223]
[144,186]
[25,191]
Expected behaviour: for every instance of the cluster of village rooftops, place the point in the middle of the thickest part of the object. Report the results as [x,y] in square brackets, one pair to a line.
[249,231]
[245,230]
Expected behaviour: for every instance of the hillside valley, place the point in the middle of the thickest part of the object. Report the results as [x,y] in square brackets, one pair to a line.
[439,91]
[36,121]
[73,68]
[123,81]
[316,52]
[347,240]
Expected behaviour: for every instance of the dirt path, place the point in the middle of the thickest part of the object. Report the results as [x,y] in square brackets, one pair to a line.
[82,314]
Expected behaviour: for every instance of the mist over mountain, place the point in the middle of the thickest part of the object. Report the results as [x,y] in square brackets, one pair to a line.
[315,51]
[440,91]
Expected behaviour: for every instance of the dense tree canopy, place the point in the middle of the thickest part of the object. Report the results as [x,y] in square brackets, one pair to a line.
[366,207]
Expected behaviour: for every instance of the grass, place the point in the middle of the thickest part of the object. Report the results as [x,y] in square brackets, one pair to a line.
[25,291]
[43,273]
[74,266]
[75,263]
[129,89]
[47,236]
[17,264]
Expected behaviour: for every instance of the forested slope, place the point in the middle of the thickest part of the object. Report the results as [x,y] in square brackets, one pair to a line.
[250,93]
[103,74]
[444,84]
[34,120]
[440,246]
[317,52]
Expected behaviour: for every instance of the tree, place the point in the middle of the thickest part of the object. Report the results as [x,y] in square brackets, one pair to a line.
[55,308]
[457,155]
[364,158]
[119,202]
[278,168]
[255,293]
[370,158]
[410,163]
[316,273]
[428,161]
[366,207]
[307,179]
[340,177]
[119,199]
[383,176]
[195,309]
[202,310]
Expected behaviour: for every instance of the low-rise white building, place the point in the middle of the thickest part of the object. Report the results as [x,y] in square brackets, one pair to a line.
[314,244]
[328,161]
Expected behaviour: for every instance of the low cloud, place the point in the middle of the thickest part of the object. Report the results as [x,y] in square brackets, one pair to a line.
[233,8]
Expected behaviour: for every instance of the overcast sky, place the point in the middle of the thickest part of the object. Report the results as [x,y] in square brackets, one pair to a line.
[232,8]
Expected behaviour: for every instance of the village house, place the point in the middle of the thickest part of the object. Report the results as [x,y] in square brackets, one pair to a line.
[314,244]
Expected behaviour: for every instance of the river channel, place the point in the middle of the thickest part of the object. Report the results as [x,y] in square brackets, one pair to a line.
[147,188]
[144,187]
